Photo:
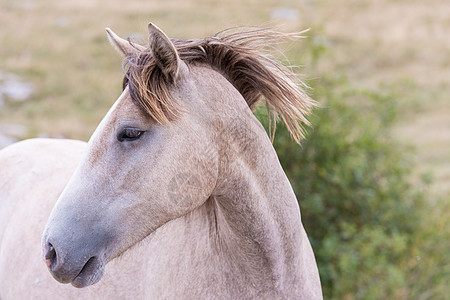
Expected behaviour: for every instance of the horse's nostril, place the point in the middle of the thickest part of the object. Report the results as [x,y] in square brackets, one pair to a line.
[50,255]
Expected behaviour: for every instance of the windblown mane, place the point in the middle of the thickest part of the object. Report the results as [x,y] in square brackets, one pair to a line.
[241,57]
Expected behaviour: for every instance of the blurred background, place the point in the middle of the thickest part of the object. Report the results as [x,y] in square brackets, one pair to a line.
[373,175]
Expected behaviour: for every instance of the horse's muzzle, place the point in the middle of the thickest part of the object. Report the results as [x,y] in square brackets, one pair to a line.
[80,272]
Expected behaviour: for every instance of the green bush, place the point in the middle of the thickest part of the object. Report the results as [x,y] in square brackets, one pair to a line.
[352,181]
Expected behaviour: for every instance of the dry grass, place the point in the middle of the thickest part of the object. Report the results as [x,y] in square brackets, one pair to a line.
[60,47]
[392,39]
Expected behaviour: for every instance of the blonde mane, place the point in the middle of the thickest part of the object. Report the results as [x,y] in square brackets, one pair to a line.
[240,56]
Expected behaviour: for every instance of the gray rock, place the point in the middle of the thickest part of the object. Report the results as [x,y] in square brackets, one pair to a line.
[13,88]
[16,90]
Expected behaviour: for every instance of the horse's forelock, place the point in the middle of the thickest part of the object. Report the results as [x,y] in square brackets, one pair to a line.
[149,88]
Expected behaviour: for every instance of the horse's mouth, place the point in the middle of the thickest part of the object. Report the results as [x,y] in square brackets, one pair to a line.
[91,273]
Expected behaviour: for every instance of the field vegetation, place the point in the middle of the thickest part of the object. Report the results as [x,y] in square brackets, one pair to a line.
[373,174]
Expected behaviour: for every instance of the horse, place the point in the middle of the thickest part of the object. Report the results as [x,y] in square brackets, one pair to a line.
[178,194]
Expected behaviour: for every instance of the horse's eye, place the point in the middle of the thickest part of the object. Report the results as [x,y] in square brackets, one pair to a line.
[129,134]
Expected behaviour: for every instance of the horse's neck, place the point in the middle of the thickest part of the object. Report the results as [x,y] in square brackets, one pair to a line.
[256,215]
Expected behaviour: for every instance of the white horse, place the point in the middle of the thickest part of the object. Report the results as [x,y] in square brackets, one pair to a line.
[179,193]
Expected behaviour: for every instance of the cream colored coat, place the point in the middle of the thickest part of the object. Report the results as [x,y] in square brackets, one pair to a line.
[199,208]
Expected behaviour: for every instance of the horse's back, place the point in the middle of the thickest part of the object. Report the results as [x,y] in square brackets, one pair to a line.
[32,166]
[33,174]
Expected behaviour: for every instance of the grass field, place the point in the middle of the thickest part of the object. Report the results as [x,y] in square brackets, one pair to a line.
[60,47]
[401,46]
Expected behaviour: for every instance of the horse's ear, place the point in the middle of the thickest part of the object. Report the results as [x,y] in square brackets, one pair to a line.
[124,47]
[164,52]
